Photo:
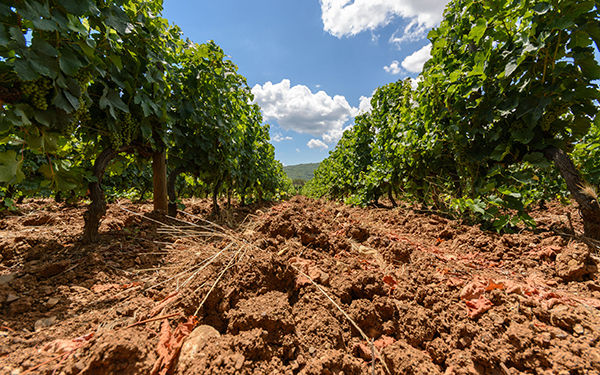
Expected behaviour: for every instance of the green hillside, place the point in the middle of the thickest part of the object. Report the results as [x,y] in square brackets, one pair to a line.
[301,171]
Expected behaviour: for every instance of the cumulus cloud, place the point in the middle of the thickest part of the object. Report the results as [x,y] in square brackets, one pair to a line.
[317,143]
[414,31]
[414,83]
[347,18]
[365,105]
[414,62]
[393,68]
[280,138]
[297,108]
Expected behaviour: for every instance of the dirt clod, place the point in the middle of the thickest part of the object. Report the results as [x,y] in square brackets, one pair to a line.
[574,262]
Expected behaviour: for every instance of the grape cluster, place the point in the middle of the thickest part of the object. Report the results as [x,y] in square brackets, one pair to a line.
[125,133]
[83,76]
[81,116]
[551,115]
[37,91]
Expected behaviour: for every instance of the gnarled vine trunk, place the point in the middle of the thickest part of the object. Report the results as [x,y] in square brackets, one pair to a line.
[97,207]
[215,196]
[588,204]
[171,190]
[391,196]
[159,179]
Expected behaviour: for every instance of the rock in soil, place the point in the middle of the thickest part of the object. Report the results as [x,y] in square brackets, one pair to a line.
[574,262]
[193,344]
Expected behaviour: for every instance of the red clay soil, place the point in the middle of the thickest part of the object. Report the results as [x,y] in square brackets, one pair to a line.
[277,290]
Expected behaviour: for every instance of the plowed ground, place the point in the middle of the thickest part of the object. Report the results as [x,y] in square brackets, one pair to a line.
[278,289]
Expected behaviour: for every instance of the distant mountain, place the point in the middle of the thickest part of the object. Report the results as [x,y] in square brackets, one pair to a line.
[301,171]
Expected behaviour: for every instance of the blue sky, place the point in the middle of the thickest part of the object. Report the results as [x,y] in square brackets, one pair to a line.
[313,64]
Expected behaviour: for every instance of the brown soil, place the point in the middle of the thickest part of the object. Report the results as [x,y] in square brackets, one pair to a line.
[435,296]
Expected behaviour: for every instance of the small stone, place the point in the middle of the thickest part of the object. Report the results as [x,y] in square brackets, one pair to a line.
[5,279]
[20,305]
[324,278]
[79,365]
[560,335]
[43,323]
[546,338]
[311,350]
[574,262]
[578,329]
[11,298]
[239,361]
[194,343]
[52,302]
[294,365]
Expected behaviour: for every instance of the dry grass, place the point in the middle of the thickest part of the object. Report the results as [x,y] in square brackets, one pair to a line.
[590,190]
[197,237]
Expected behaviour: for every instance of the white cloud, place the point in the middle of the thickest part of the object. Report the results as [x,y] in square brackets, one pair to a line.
[394,68]
[346,17]
[365,105]
[297,108]
[279,138]
[414,31]
[414,83]
[414,63]
[317,143]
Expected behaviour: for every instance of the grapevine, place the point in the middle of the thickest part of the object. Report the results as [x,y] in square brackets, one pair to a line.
[480,132]
[37,92]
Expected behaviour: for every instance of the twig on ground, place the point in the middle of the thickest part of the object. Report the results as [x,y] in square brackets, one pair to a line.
[229,265]
[212,259]
[372,342]
[32,369]
[153,320]
[362,333]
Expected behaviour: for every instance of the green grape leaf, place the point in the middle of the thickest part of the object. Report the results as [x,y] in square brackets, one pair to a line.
[10,168]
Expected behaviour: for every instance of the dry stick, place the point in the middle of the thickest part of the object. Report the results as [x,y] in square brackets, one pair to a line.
[154,269]
[204,220]
[64,358]
[372,342]
[587,240]
[152,320]
[203,267]
[147,218]
[218,230]
[175,229]
[225,232]
[163,243]
[345,314]
[191,269]
[233,257]
[186,230]
[30,370]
